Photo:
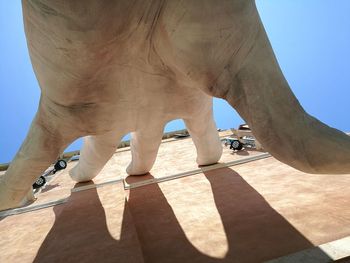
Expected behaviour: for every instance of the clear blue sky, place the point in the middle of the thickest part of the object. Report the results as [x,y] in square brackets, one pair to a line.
[311,39]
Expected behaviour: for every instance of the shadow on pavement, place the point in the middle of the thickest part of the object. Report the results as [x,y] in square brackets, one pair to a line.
[255,231]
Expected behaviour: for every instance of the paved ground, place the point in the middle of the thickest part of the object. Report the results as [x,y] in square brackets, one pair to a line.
[253,212]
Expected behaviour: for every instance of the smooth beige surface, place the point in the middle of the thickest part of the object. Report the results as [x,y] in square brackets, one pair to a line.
[252,212]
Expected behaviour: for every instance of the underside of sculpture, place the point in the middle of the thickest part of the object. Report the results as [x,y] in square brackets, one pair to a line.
[107,68]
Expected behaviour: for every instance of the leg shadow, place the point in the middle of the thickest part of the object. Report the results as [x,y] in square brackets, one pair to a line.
[161,236]
[255,231]
[80,234]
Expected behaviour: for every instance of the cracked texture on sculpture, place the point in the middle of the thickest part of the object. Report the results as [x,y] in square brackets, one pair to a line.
[107,68]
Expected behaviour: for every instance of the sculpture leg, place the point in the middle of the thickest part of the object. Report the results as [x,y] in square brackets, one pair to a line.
[42,146]
[259,92]
[205,136]
[144,148]
[96,152]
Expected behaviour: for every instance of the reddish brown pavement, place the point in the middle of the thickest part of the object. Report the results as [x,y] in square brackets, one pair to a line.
[247,213]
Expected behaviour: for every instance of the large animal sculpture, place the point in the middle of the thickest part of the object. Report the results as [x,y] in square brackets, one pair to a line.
[106,68]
